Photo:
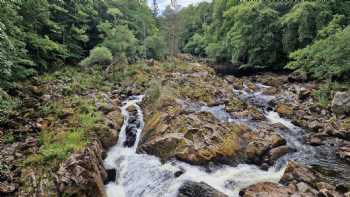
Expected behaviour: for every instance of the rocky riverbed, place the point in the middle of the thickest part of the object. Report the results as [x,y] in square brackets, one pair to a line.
[199,133]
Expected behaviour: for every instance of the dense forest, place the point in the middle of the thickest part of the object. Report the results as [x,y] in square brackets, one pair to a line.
[70,70]
[309,37]
[40,35]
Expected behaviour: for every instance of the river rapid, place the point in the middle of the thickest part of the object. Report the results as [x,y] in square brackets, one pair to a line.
[145,175]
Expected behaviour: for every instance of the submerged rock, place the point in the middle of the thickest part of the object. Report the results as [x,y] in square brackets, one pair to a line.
[341,103]
[194,189]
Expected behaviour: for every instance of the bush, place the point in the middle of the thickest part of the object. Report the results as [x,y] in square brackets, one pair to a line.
[121,41]
[98,55]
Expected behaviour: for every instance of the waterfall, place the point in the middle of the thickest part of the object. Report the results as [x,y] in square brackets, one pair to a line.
[142,175]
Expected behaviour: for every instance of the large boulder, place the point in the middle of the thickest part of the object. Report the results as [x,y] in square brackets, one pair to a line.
[341,103]
[267,189]
[194,189]
[83,174]
[300,173]
[196,138]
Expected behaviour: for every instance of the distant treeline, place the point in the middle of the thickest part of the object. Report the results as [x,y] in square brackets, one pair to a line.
[310,37]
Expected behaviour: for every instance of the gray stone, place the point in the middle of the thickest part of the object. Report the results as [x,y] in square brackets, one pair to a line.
[195,189]
[341,103]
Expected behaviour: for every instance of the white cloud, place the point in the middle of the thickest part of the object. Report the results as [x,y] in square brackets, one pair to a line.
[163,3]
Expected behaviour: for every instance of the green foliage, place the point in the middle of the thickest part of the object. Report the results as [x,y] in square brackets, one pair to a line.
[254,38]
[57,146]
[322,95]
[301,24]
[41,35]
[217,52]
[121,42]
[7,106]
[98,55]
[265,35]
[325,59]
[196,45]
[155,47]
[153,92]
[337,24]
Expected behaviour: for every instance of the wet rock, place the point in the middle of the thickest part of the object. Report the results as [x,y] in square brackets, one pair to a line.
[277,152]
[284,110]
[116,119]
[108,137]
[276,140]
[267,189]
[255,150]
[297,77]
[344,153]
[194,189]
[131,132]
[111,176]
[299,173]
[82,174]
[315,141]
[164,147]
[341,103]
[178,173]
[303,187]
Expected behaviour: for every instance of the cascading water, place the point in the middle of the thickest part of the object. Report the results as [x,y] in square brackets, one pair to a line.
[141,175]
[323,158]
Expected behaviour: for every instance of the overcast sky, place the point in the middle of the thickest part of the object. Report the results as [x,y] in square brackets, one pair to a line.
[163,3]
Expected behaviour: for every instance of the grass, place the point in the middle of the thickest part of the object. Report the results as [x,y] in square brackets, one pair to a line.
[323,94]
[61,140]
[7,106]
[77,79]
[57,146]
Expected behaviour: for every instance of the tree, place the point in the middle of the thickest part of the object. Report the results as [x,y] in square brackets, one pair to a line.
[254,39]
[326,58]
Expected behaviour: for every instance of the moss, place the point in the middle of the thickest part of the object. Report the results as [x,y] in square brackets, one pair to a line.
[200,93]
[234,105]
[345,124]
[9,138]
[57,146]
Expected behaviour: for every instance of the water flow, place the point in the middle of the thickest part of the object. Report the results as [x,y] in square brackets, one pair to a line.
[142,175]
[322,158]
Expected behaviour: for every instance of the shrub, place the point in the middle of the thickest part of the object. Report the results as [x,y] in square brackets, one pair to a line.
[98,55]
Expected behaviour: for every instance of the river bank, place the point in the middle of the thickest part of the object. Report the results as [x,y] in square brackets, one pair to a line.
[202,133]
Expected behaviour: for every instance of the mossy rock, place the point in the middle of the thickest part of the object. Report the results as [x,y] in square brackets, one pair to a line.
[285,110]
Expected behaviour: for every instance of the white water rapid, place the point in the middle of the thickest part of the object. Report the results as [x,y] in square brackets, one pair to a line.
[141,175]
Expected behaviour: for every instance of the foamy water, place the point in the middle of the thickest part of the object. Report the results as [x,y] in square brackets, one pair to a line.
[142,175]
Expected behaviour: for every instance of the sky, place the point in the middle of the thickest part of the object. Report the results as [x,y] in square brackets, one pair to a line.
[163,3]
